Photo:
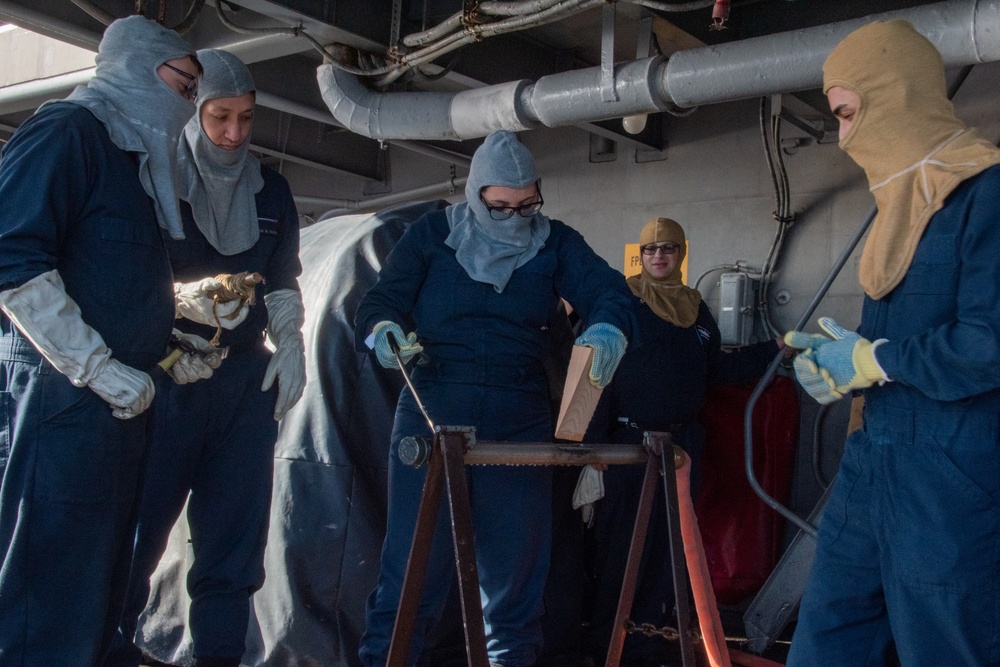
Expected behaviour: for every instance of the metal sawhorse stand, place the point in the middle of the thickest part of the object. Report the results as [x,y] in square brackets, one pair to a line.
[455,447]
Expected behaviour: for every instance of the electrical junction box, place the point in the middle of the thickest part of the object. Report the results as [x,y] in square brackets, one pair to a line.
[737,309]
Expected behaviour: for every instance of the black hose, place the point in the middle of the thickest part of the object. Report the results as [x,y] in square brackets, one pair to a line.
[804,525]
[816,449]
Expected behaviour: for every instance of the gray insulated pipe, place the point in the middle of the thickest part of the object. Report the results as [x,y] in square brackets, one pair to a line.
[470,113]
[964,31]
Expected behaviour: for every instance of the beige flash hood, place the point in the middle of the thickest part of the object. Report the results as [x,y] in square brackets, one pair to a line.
[905,136]
[669,298]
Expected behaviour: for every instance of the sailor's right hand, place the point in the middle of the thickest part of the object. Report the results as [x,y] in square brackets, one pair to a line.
[408,345]
[128,391]
[194,301]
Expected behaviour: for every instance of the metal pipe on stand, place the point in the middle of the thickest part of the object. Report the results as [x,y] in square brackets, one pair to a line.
[454,447]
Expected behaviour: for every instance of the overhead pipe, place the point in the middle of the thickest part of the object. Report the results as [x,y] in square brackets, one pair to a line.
[94,11]
[454,116]
[283,104]
[250,49]
[964,31]
[30,95]
[36,21]
[451,186]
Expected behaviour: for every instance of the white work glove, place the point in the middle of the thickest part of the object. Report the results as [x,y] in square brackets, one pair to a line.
[589,489]
[194,301]
[52,321]
[194,366]
[285,317]
[128,391]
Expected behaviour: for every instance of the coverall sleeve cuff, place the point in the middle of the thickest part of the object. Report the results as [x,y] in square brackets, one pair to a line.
[886,376]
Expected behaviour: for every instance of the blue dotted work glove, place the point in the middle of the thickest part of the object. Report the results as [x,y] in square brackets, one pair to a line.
[830,367]
[609,348]
[408,345]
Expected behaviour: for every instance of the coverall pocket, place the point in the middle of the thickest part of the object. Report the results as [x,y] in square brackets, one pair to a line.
[976,479]
[844,498]
[76,460]
[946,525]
[268,239]
[934,268]
[535,284]
[60,397]
[127,251]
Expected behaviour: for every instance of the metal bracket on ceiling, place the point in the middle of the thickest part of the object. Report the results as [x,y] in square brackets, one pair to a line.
[608,93]
[643,37]
[817,124]
[470,12]
[602,149]
[644,155]
[397,18]
[382,168]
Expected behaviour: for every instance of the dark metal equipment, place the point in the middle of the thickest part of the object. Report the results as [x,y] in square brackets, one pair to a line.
[453,448]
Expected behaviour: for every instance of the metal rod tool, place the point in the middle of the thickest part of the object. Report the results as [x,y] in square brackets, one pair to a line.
[394,346]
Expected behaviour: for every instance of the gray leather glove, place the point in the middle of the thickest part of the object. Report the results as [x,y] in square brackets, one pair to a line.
[285,316]
[197,365]
[52,321]
[128,391]
[589,489]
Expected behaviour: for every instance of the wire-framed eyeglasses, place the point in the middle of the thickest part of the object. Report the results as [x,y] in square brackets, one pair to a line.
[507,212]
[652,249]
[191,87]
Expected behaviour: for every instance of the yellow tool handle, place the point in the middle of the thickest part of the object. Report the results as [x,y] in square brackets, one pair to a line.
[170,359]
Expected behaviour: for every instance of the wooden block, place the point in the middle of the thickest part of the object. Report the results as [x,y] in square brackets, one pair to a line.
[579,398]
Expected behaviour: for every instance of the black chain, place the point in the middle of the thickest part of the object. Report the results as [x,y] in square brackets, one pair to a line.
[667,632]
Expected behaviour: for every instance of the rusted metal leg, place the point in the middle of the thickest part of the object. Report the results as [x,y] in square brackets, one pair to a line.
[627,595]
[454,443]
[416,566]
[663,443]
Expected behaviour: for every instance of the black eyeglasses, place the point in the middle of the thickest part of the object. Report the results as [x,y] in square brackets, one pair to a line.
[507,212]
[191,89]
[665,248]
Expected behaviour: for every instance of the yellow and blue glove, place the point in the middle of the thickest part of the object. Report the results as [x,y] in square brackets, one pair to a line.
[408,345]
[609,348]
[832,366]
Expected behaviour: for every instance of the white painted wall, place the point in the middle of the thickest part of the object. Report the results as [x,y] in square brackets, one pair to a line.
[25,56]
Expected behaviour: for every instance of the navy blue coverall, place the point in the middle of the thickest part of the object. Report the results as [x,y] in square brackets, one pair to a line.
[659,386]
[72,201]
[215,439]
[481,366]
[909,543]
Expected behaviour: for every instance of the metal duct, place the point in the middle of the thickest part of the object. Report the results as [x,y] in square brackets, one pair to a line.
[470,113]
[577,96]
[964,31]
[479,111]
[427,115]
